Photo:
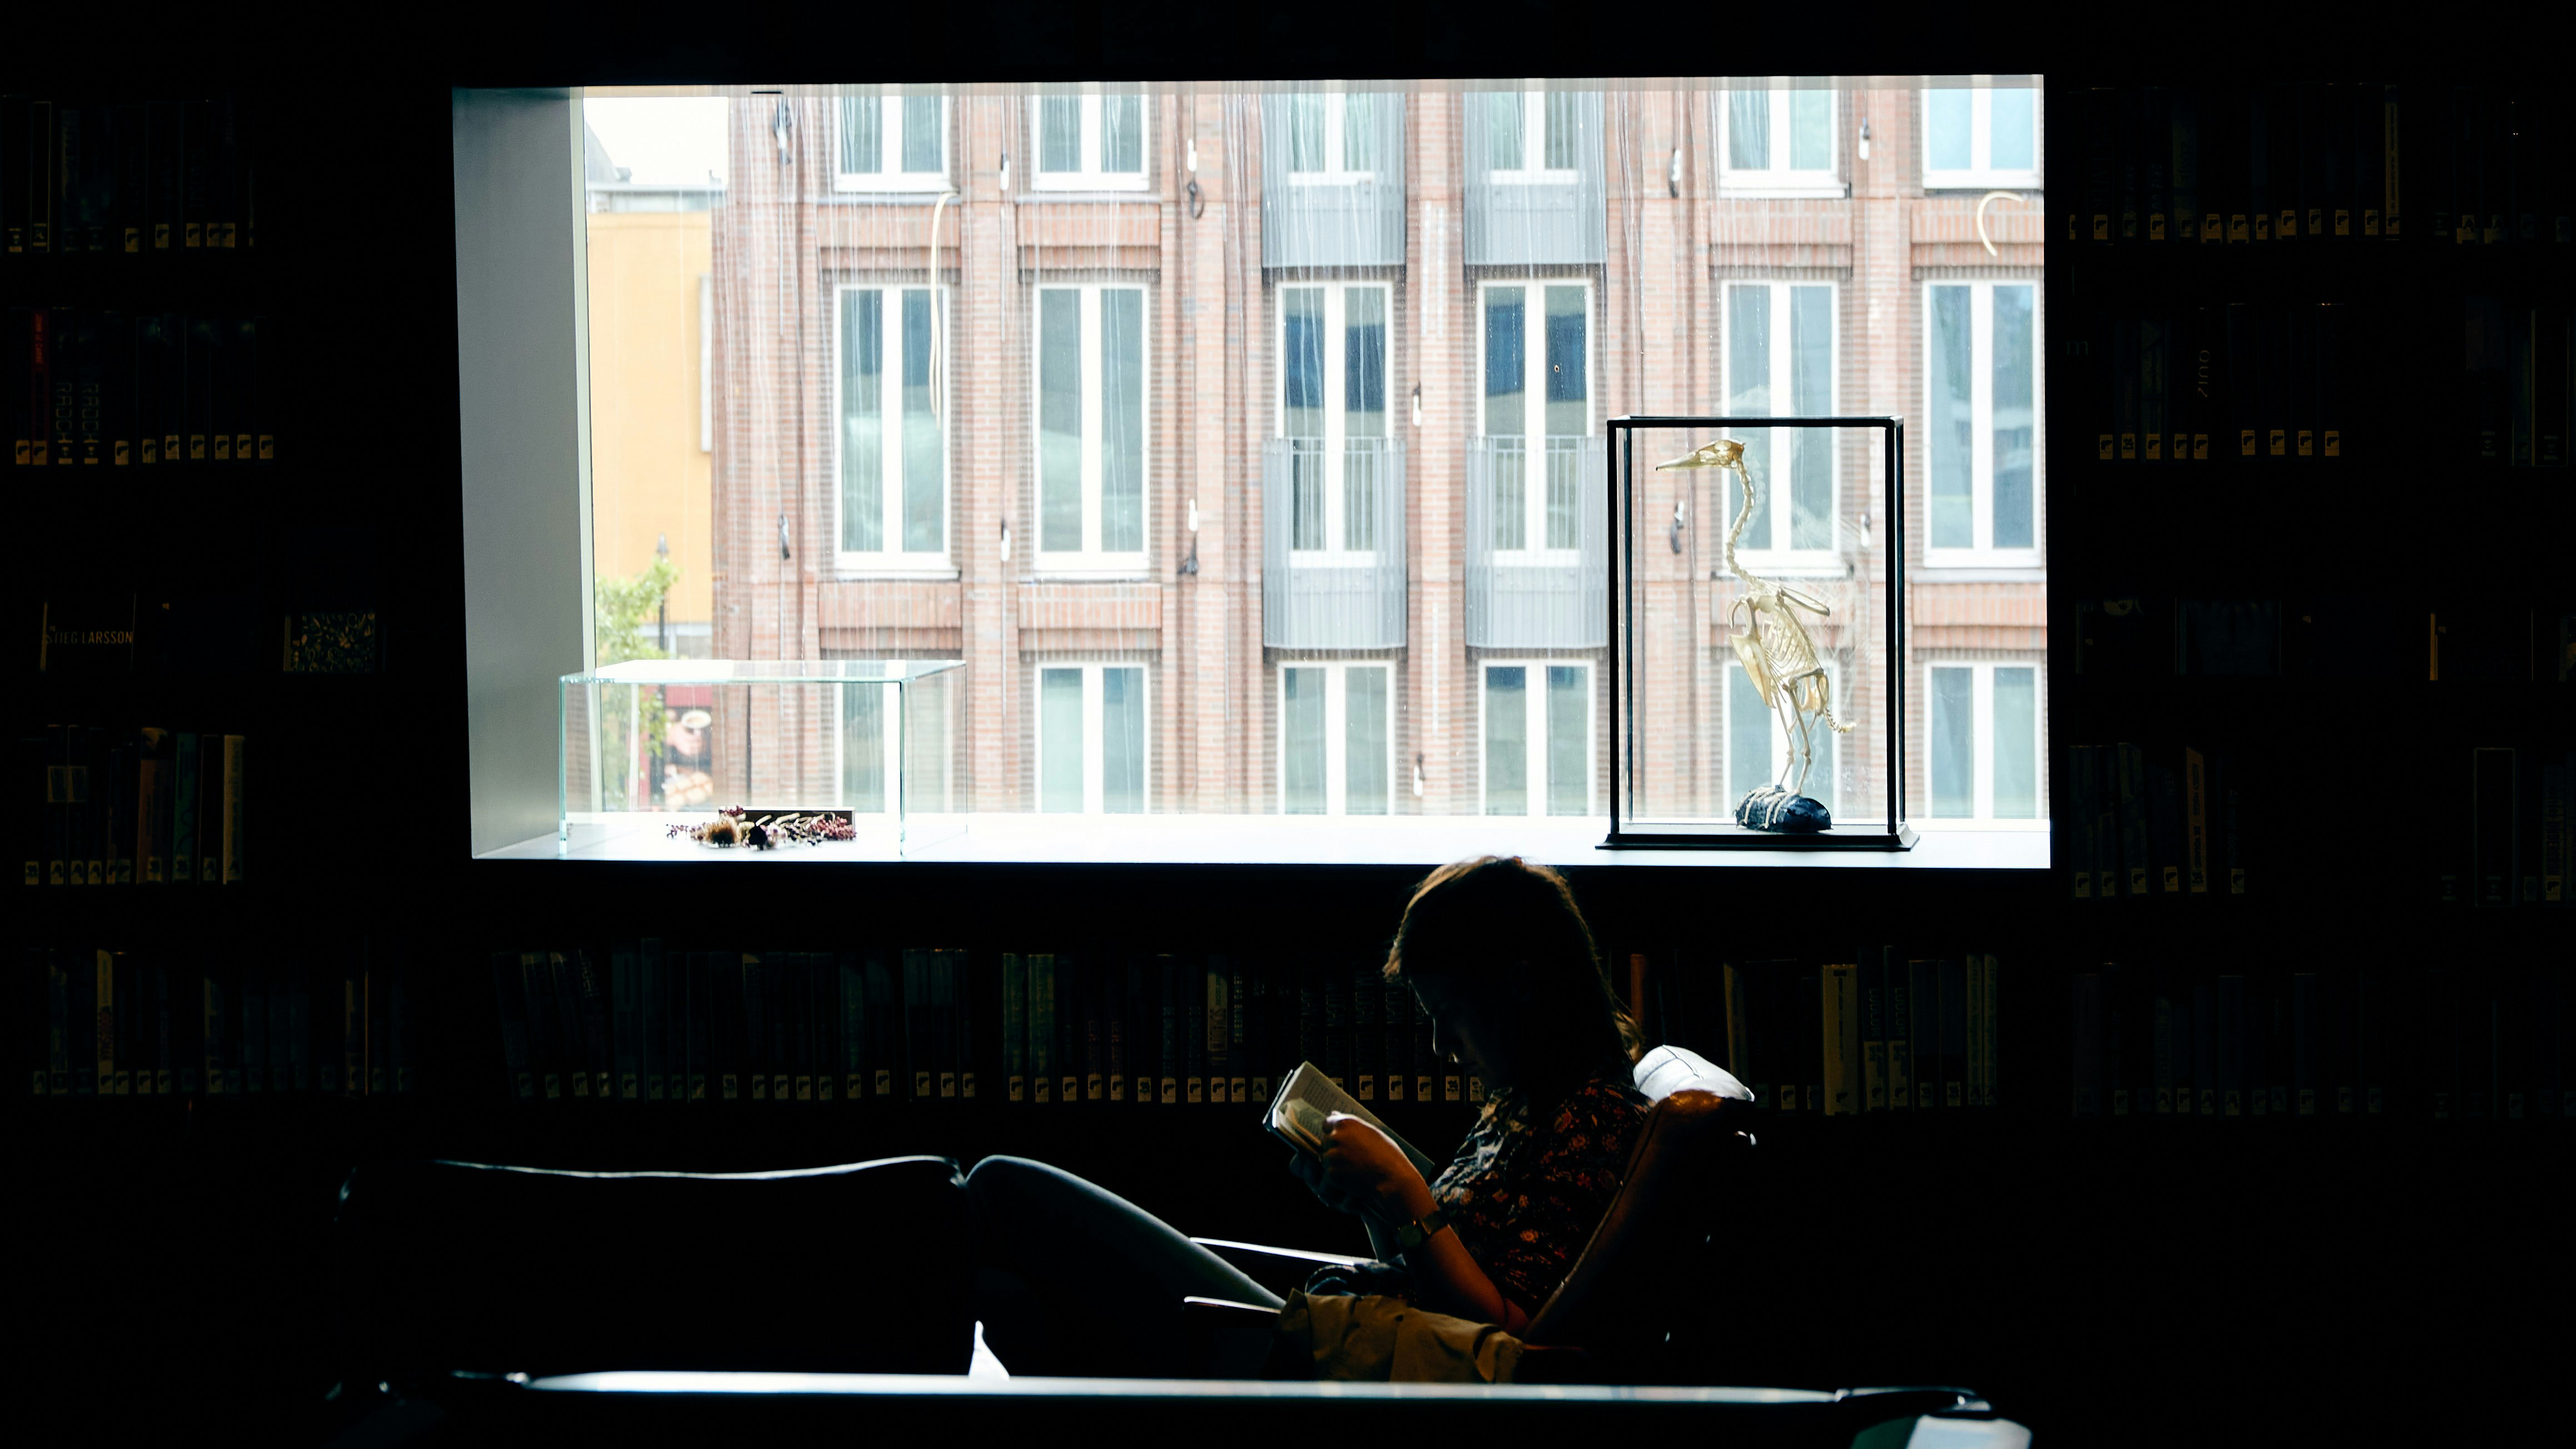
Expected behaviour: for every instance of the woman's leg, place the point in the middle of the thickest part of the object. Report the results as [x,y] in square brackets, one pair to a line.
[1088,1283]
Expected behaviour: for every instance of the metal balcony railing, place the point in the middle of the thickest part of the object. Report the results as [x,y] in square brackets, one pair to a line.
[1537,566]
[1332,544]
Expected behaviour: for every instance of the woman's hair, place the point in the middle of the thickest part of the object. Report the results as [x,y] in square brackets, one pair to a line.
[1508,935]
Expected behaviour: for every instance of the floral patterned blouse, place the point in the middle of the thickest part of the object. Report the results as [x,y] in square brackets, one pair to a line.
[1526,1190]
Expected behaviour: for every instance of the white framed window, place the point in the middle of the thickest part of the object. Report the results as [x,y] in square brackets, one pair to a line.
[1781,338]
[891,451]
[1332,409]
[1981,740]
[1537,404]
[1334,136]
[894,748]
[1777,142]
[891,143]
[1090,407]
[1982,402]
[1536,722]
[1088,141]
[1336,732]
[1981,137]
[1757,745]
[1532,136]
[1092,739]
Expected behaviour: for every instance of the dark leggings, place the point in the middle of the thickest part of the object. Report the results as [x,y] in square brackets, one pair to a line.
[1077,1280]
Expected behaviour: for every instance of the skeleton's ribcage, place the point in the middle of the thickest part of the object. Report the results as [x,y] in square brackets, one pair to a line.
[1786,649]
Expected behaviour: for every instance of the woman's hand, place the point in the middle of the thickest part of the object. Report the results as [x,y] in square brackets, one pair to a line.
[1360,1171]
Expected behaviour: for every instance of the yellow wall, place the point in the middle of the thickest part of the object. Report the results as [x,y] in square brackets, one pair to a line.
[647,475]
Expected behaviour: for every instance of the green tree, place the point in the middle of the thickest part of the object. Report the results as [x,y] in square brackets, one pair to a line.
[622,621]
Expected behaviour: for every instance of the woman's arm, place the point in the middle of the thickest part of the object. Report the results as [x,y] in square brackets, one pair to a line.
[1360,1171]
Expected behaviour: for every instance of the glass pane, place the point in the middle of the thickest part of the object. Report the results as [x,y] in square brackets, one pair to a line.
[1507,740]
[1060,419]
[1953,743]
[922,134]
[1360,120]
[1364,362]
[1060,740]
[862,421]
[1060,133]
[1122,741]
[1951,430]
[1820,774]
[1122,420]
[2010,135]
[1301,372]
[1811,130]
[2016,737]
[1306,132]
[1122,133]
[1945,122]
[1748,395]
[1811,395]
[1506,365]
[2015,419]
[1569,412]
[1569,763]
[924,486]
[1503,130]
[1564,132]
[863,782]
[1750,729]
[925,746]
[1748,130]
[1301,741]
[1364,728]
[862,135]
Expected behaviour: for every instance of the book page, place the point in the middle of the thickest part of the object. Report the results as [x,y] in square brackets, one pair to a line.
[1296,1115]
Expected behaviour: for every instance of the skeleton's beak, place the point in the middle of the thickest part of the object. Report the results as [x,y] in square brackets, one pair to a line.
[1720,454]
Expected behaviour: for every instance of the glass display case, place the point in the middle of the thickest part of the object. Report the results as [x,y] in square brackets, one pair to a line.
[1758,612]
[655,743]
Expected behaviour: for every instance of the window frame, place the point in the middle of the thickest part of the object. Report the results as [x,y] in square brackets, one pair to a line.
[1336,433]
[1091,561]
[1981,748]
[1764,556]
[1981,174]
[845,180]
[935,563]
[1090,177]
[1336,130]
[1534,377]
[1534,170]
[1981,552]
[1336,733]
[1781,181]
[1534,743]
[1094,702]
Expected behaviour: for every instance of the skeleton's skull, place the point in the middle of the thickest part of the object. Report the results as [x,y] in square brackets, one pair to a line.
[1724,453]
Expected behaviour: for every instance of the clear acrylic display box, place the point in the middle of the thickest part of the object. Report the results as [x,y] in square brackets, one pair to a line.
[653,743]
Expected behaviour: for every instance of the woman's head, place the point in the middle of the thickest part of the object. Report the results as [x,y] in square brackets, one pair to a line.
[1501,958]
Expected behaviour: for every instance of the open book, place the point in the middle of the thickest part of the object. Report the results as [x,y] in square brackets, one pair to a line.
[1308,1097]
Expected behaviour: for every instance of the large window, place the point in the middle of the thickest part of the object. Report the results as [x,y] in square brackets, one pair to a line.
[895,741]
[1537,718]
[1780,363]
[1981,137]
[1335,728]
[1091,739]
[891,143]
[1531,135]
[893,455]
[1332,409]
[1757,751]
[1777,142]
[1537,405]
[1088,142]
[1091,419]
[1334,136]
[1981,418]
[1981,747]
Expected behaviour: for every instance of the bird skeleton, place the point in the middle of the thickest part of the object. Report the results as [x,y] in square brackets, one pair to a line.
[1772,644]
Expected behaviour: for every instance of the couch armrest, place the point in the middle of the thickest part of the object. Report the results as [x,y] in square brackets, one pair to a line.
[1277,1269]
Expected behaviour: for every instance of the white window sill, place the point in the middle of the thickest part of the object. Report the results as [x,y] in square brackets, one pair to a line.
[862,573]
[1755,187]
[1410,841]
[1978,573]
[1089,189]
[1956,564]
[1135,573]
[1981,181]
[923,187]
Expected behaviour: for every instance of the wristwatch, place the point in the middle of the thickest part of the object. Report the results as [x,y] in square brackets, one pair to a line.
[1421,1230]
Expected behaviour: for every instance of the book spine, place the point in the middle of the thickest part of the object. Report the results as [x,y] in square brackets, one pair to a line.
[1396,1019]
[1237,1055]
[1841,1039]
[2195,793]
[1898,996]
[1070,973]
[1168,969]
[2085,1046]
[1015,1028]
[592,994]
[944,1018]
[1975,1070]
[1194,1028]
[852,1005]
[1810,1018]
[514,1027]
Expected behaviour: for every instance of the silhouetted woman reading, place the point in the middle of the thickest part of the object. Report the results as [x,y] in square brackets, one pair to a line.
[1080,1281]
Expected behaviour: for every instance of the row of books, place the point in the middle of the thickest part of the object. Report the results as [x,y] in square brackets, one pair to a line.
[1883,1032]
[331,1021]
[2322,162]
[2153,822]
[2239,381]
[2522,829]
[2176,1041]
[2383,634]
[105,633]
[88,388]
[126,178]
[100,807]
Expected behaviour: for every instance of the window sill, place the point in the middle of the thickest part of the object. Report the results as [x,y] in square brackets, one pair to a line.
[1113,574]
[1085,191]
[1972,181]
[1980,573]
[1753,190]
[848,573]
[924,191]
[1407,841]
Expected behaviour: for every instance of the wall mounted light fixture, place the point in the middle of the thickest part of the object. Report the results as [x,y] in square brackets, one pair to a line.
[1864,138]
